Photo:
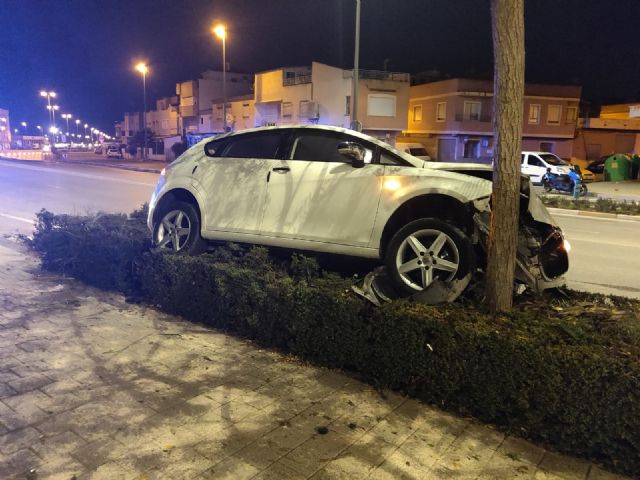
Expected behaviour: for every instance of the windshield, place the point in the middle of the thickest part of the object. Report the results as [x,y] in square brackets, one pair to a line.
[418,152]
[551,159]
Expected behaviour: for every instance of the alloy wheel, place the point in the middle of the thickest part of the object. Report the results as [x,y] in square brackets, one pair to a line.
[173,231]
[427,255]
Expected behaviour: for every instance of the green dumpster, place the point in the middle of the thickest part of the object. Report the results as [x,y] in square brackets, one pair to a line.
[617,168]
[635,167]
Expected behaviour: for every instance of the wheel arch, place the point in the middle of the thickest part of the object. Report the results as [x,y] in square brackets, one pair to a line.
[176,195]
[431,205]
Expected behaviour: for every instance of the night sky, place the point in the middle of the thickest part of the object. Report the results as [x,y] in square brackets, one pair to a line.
[85,49]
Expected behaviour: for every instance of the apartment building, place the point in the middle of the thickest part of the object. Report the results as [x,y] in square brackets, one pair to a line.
[197,96]
[616,130]
[164,121]
[5,130]
[241,113]
[321,94]
[453,119]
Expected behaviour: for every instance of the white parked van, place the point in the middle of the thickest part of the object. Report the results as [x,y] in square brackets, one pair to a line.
[535,164]
[415,149]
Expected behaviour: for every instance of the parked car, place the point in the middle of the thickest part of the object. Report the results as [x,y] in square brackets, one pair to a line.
[535,164]
[114,152]
[415,149]
[328,189]
[597,166]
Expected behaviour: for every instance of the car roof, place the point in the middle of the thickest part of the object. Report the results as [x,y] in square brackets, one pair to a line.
[327,128]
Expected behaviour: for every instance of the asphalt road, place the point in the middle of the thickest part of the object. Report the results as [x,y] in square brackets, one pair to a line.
[25,188]
[605,257]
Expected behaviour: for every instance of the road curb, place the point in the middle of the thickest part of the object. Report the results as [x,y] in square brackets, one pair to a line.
[586,213]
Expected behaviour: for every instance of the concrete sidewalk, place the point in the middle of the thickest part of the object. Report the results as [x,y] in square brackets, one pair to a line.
[92,387]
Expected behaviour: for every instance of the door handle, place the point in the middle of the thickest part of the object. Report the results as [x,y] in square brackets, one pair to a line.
[281,169]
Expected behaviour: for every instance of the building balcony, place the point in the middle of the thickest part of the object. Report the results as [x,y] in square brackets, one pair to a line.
[296,80]
[460,117]
[379,75]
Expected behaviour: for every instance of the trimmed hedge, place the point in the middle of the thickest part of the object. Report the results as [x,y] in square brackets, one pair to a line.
[566,372]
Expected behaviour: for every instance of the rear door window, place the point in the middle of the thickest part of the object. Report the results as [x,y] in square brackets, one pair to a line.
[253,145]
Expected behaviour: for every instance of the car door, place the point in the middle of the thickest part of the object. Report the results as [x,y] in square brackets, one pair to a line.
[536,168]
[316,194]
[232,178]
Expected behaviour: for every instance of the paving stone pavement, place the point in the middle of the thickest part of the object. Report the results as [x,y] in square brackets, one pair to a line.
[94,388]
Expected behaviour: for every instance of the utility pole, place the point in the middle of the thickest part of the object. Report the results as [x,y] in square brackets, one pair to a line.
[355,123]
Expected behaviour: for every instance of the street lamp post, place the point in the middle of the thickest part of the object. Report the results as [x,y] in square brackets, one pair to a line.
[49,96]
[221,32]
[77,126]
[355,124]
[67,116]
[24,126]
[142,68]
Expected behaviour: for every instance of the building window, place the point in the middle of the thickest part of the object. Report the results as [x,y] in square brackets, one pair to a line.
[544,147]
[441,111]
[471,111]
[471,149]
[245,110]
[381,105]
[572,113]
[347,105]
[534,113]
[287,109]
[554,114]
[417,113]
[201,120]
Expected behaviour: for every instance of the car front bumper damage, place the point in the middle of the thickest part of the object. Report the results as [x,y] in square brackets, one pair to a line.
[541,257]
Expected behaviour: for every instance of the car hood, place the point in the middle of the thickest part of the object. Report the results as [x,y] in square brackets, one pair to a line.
[535,206]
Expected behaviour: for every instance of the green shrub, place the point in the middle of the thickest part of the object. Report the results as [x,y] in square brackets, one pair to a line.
[563,371]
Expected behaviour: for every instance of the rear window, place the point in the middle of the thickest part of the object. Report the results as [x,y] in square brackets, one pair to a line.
[418,152]
[551,159]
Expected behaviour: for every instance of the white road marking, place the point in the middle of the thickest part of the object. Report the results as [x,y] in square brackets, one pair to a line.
[586,217]
[77,174]
[20,219]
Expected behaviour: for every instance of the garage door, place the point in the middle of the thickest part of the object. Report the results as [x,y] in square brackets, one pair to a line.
[447,150]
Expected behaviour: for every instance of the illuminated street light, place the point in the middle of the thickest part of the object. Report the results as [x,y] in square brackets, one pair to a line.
[24,126]
[142,68]
[48,96]
[77,125]
[67,116]
[220,31]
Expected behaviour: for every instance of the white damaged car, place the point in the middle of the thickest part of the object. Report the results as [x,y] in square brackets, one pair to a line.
[333,190]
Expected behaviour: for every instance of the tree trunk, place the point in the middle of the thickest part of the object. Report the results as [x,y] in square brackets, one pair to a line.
[507,18]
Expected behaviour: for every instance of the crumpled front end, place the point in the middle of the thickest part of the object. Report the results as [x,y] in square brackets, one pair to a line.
[541,256]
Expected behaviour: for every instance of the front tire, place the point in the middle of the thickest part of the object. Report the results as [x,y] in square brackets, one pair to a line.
[178,229]
[584,190]
[427,250]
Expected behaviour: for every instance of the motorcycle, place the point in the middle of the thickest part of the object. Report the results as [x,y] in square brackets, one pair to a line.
[562,183]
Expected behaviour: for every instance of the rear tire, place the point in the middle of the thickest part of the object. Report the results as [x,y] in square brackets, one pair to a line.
[178,229]
[584,190]
[426,250]
[547,186]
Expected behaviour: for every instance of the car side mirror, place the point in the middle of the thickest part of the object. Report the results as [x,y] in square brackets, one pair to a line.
[353,152]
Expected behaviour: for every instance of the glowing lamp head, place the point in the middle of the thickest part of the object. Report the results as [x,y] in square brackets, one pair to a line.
[24,124]
[219,31]
[142,68]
